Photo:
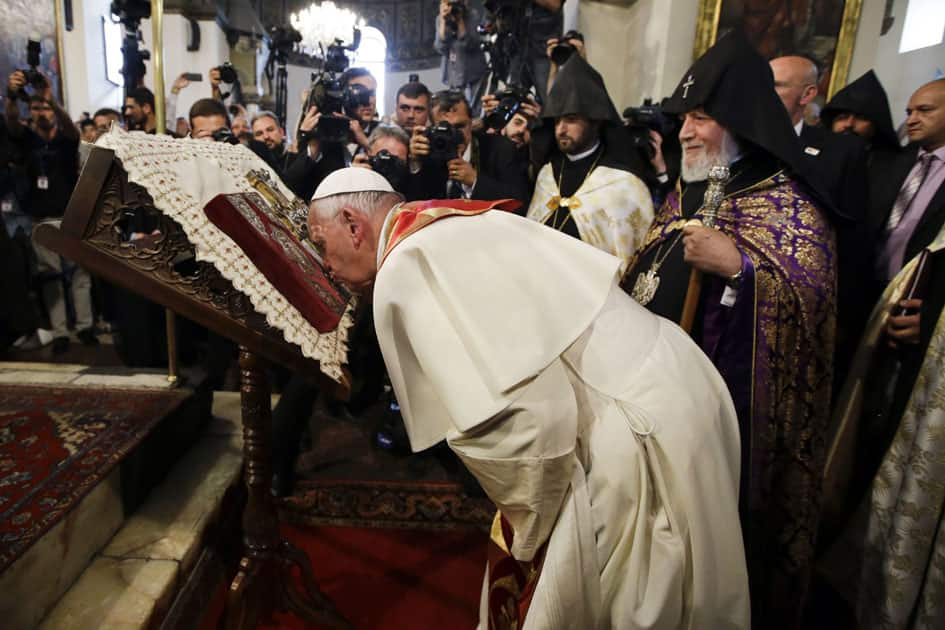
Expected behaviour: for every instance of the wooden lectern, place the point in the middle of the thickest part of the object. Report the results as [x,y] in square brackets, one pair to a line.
[90,235]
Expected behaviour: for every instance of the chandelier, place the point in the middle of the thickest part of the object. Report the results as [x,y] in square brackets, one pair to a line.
[321,24]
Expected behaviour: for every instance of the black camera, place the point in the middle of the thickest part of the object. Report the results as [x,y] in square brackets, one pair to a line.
[444,141]
[225,134]
[33,78]
[641,120]
[282,41]
[510,102]
[227,73]
[131,12]
[564,49]
[390,166]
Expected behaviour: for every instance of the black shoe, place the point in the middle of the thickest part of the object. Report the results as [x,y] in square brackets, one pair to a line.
[87,337]
[60,345]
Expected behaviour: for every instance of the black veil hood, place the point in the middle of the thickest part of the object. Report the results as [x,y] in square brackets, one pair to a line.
[735,86]
[865,97]
[579,89]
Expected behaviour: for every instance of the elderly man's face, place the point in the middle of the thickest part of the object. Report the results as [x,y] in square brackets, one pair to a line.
[705,143]
[344,244]
[795,81]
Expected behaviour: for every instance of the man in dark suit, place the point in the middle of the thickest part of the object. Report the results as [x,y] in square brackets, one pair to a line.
[486,167]
[908,207]
[839,161]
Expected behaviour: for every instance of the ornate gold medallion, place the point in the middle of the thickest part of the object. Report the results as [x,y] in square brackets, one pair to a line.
[644,289]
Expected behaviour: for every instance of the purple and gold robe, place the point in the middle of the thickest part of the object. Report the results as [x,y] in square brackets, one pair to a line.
[774,348]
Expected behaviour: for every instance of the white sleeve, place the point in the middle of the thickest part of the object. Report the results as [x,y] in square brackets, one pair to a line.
[524,456]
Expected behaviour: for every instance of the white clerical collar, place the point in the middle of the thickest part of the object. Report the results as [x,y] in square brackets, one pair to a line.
[467,153]
[581,156]
[799,126]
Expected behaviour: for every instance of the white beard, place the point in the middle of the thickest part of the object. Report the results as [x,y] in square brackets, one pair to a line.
[697,169]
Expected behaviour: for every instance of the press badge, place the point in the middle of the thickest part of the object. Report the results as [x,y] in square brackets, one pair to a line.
[42,182]
[729,295]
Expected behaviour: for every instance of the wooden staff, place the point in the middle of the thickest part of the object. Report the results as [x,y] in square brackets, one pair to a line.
[714,193]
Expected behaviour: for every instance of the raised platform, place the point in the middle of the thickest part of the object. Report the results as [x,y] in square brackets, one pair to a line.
[80,447]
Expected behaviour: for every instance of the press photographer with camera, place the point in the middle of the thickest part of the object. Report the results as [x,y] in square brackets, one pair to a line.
[209,120]
[387,154]
[413,106]
[511,113]
[589,182]
[655,138]
[49,145]
[360,105]
[523,28]
[457,40]
[448,161]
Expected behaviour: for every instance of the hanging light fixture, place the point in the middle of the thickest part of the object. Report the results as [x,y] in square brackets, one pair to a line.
[321,24]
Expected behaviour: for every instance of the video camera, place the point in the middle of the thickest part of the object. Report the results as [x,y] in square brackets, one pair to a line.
[130,13]
[563,50]
[510,102]
[444,141]
[390,166]
[33,76]
[331,96]
[640,120]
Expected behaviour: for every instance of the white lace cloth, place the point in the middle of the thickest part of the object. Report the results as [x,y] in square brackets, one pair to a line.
[182,176]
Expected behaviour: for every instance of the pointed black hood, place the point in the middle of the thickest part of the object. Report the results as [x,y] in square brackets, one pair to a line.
[579,89]
[734,85]
[865,97]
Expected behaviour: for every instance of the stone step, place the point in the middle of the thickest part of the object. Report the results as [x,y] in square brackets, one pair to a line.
[132,582]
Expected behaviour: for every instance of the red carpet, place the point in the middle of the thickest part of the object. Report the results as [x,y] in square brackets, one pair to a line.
[395,578]
[56,443]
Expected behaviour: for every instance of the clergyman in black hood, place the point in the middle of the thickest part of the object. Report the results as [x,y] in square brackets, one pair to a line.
[585,186]
[765,310]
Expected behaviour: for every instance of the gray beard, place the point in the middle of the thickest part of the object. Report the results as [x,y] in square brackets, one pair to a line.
[698,170]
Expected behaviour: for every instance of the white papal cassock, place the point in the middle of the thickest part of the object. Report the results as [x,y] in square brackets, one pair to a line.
[591,423]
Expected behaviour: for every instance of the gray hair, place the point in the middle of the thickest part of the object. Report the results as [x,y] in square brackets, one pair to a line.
[367,203]
[265,113]
[389,131]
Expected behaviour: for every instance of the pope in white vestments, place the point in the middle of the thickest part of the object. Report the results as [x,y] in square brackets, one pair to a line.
[605,437]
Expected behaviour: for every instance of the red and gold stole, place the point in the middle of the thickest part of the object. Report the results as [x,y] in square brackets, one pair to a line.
[410,217]
[511,583]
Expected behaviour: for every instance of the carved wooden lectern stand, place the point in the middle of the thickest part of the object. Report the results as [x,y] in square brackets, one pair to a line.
[90,235]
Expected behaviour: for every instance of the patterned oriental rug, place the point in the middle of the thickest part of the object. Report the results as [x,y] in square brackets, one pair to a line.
[57,443]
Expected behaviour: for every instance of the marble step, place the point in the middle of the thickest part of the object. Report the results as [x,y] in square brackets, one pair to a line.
[132,582]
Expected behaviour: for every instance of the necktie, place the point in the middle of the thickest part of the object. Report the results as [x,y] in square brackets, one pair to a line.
[908,191]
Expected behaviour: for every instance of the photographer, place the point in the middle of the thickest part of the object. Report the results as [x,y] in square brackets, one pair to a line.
[512,116]
[531,23]
[139,110]
[209,120]
[50,147]
[387,154]
[464,63]
[315,159]
[413,106]
[360,106]
[448,161]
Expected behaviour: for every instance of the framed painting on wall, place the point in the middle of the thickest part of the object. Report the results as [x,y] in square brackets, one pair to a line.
[823,30]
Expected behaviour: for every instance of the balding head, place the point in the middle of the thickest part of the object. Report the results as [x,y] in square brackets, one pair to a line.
[795,80]
[926,116]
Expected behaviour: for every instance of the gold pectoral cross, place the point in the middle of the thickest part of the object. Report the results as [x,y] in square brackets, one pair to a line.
[563,202]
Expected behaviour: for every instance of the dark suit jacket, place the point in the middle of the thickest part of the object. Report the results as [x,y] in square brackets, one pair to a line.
[502,174]
[840,160]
